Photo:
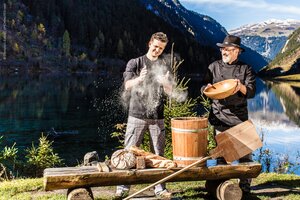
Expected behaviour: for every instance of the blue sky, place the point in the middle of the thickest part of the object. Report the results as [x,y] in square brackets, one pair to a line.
[235,13]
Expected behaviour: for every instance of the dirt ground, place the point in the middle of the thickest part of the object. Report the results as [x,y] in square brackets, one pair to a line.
[272,192]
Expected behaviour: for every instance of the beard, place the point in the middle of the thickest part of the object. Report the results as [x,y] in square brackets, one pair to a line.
[226,59]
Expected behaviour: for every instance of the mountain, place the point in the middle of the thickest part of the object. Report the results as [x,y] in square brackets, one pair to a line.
[288,60]
[98,31]
[268,37]
[204,29]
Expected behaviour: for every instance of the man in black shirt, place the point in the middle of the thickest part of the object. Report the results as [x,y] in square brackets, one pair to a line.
[231,111]
[146,78]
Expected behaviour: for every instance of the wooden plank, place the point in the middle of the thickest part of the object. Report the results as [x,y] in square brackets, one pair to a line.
[140,162]
[99,167]
[237,142]
[104,167]
[89,176]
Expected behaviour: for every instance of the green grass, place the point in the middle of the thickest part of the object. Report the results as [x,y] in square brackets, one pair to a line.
[21,185]
[23,189]
[289,180]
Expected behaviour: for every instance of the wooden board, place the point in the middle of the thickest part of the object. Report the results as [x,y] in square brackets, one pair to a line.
[102,167]
[237,142]
[89,176]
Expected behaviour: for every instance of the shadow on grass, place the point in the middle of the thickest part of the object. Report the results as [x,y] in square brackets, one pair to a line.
[193,194]
[275,188]
[288,183]
[272,189]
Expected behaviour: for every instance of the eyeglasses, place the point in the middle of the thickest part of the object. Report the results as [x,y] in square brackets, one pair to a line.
[227,49]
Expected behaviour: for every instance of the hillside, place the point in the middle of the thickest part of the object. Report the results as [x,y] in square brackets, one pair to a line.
[288,60]
[204,29]
[104,30]
[268,37]
[43,35]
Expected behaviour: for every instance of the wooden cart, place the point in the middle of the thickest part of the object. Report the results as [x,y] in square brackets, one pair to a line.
[232,144]
[79,180]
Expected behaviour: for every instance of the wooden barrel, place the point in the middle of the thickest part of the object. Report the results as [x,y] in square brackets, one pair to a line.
[189,139]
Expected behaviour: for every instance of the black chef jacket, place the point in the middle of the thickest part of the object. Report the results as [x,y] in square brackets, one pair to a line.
[233,109]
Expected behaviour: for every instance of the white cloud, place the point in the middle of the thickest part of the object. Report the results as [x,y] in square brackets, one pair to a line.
[248,4]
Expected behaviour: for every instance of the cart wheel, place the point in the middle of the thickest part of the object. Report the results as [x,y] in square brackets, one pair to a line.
[80,194]
[229,190]
[224,189]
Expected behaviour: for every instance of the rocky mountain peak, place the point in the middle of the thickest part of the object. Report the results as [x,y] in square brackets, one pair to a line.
[202,28]
[205,29]
[267,37]
[271,27]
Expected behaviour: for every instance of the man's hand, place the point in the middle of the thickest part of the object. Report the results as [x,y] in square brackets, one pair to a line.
[142,74]
[240,87]
[133,82]
[209,86]
[165,82]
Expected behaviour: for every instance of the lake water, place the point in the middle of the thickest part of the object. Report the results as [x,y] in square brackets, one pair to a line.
[85,108]
[82,106]
[275,111]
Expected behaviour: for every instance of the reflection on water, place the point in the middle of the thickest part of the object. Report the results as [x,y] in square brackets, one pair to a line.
[78,104]
[275,111]
[88,106]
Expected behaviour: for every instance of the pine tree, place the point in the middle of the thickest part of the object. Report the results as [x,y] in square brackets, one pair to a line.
[101,42]
[43,156]
[66,43]
[20,16]
[96,44]
[120,48]
[191,53]
[41,28]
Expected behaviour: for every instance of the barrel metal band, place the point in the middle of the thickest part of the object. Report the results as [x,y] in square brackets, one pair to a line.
[181,130]
[186,158]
